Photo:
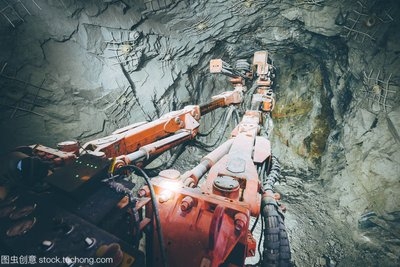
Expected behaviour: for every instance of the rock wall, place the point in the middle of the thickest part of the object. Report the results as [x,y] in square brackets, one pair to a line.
[73,69]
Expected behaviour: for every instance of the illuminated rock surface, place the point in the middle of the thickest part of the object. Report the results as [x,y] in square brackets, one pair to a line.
[337,119]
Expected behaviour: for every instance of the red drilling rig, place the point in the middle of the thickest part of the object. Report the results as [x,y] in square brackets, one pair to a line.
[81,203]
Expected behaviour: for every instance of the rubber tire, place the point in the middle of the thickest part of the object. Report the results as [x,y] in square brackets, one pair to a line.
[276,243]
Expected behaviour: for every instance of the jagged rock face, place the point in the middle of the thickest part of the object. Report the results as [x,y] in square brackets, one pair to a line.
[81,69]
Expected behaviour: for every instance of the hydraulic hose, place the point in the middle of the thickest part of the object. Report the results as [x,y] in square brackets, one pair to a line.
[120,188]
[212,128]
[155,210]
[276,243]
[273,175]
[222,130]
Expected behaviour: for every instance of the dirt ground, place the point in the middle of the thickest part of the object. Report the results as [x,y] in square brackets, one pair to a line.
[321,236]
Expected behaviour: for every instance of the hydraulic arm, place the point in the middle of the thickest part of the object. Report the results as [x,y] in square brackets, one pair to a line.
[85,202]
[207,222]
[144,140]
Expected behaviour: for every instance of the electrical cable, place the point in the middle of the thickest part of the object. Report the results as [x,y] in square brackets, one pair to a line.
[155,170]
[175,155]
[166,165]
[236,118]
[273,175]
[120,188]
[259,243]
[254,224]
[221,132]
[155,211]
[263,171]
[214,126]
[267,169]
[247,101]
[199,145]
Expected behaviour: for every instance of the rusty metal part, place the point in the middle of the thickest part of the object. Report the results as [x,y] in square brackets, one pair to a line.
[224,99]
[226,186]
[238,164]
[144,191]
[213,222]
[157,147]
[260,60]
[191,178]
[69,146]
[187,203]
[57,157]
[240,221]
[251,245]
[129,140]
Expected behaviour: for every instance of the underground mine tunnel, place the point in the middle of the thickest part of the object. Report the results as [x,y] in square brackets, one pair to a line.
[73,72]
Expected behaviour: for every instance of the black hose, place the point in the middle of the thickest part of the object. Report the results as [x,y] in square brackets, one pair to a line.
[247,102]
[221,131]
[259,243]
[214,126]
[155,211]
[199,145]
[155,170]
[120,188]
[276,243]
[237,117]
[273,174]
[179,150]
[254,224]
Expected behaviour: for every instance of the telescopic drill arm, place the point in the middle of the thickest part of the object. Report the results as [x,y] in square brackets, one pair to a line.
[144,140]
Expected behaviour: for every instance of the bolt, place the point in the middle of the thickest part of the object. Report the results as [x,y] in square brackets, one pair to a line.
[144,192]
[163,198]
[187,203]
[239,225]
[240,221]
[195,115]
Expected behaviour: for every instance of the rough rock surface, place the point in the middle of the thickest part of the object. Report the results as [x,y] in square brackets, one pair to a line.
[74,69]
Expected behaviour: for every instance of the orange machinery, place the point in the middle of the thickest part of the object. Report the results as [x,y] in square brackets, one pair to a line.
[204,223]
[207,223]
[144,140]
